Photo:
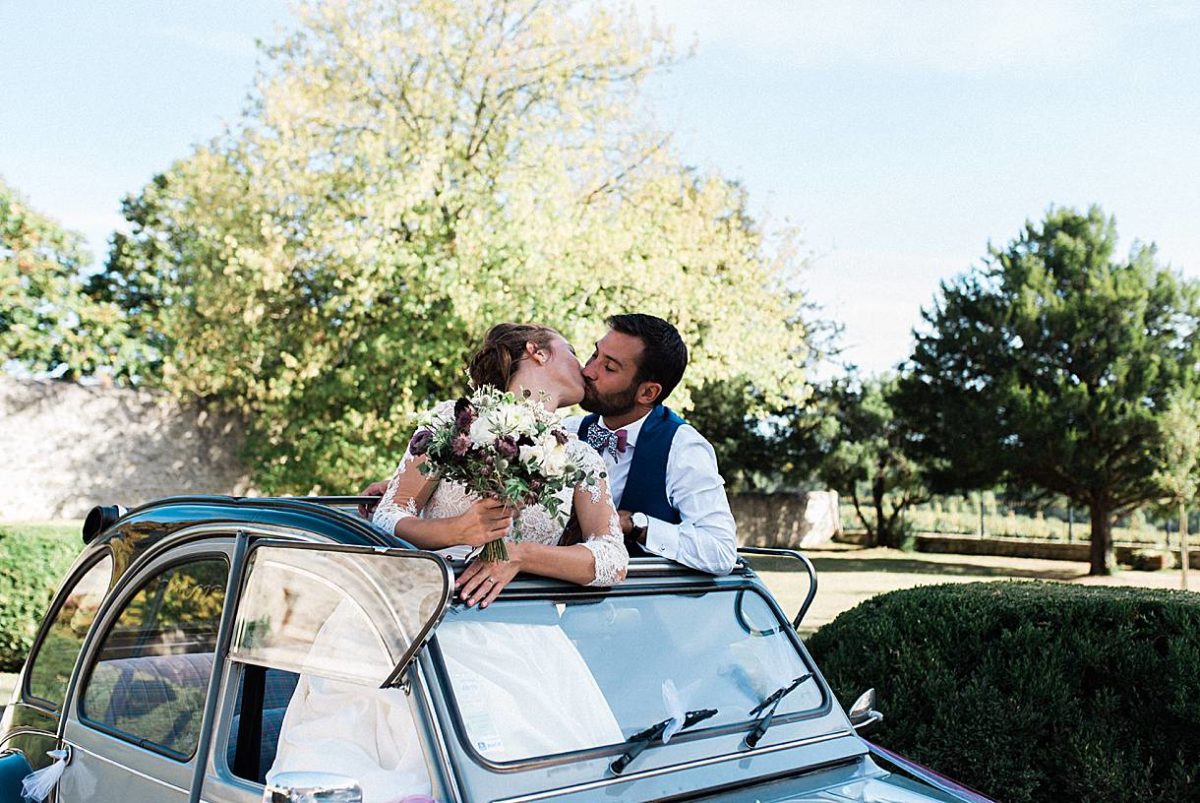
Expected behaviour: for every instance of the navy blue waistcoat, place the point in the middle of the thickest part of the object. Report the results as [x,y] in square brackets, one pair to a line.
[646,486]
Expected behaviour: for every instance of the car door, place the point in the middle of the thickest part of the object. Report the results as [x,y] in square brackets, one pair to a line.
[338,623]
[31,722]
[136,714]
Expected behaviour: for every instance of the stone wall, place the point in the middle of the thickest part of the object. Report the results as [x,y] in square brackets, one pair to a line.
[785,521]
[1045,550]
[66,447]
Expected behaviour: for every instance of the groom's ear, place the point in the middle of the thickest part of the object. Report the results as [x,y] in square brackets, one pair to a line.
[648,393]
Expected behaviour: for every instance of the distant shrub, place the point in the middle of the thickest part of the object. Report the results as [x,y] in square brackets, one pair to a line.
[33,561]
[1149,560]
[1031,691]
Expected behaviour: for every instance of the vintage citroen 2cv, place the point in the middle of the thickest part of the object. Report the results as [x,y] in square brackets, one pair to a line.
[225,649]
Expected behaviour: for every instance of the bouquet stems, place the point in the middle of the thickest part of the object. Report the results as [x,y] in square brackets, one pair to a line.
[494,551]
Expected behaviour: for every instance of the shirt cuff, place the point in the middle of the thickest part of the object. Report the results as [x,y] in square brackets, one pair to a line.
[662,538]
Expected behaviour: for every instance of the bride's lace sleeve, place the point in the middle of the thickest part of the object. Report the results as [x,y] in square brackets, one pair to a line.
[408,490]
[598,520]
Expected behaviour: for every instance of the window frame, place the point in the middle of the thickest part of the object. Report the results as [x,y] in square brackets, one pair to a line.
[60,598]
[113,613]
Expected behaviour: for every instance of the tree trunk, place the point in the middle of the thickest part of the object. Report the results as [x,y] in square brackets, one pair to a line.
[872,533]
[881,537]
[1102,558]
[1184,558]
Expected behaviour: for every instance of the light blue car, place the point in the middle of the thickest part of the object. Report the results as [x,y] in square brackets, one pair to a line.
[242,650]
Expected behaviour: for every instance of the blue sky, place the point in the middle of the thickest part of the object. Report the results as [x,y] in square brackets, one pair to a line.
[900,137]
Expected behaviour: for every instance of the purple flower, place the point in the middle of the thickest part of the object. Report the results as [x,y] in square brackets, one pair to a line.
[464,415]
[419,444]
[460,445]
[507,447]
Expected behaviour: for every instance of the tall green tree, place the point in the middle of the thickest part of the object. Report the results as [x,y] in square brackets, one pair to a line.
[410,172]
[1179,473]
[48,324]
[1050,368]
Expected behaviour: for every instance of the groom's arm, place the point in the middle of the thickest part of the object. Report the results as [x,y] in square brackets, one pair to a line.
[706,537]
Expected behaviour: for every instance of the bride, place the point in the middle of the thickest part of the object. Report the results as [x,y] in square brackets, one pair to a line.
[498,667]
[431,514]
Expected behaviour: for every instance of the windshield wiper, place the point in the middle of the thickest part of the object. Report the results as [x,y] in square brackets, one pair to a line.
[643,739]
[771,702]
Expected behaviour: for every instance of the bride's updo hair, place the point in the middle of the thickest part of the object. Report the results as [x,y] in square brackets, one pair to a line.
[503,347]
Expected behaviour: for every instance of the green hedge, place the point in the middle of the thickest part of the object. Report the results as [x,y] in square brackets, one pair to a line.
[1031,691]
[33,560]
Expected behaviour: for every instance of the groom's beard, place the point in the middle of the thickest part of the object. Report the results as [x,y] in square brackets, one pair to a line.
[608,404]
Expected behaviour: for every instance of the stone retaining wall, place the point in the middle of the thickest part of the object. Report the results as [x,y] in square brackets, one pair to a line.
[65,447]
[1028,548]
[785,520]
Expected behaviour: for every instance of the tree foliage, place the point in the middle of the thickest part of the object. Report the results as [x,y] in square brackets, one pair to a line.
[1050,368]
[866,453]
[409,173]
[48,324]
[1179,471]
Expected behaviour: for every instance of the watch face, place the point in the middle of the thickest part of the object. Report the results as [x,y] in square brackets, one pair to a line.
[641,520]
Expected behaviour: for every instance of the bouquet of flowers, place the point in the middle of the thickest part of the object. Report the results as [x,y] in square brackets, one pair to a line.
[500,446]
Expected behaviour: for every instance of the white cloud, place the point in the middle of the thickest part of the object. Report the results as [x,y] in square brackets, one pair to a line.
[948,37]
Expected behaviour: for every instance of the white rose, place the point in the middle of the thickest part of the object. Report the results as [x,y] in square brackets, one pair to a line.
[555,460]
[531,454]
[482,431]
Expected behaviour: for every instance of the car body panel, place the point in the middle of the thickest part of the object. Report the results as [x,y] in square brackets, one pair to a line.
[814,755]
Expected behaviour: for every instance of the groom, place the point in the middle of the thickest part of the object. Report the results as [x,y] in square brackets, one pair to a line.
[661,471]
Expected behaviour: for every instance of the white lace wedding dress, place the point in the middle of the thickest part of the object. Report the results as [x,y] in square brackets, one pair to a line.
[535,523]
[523,689]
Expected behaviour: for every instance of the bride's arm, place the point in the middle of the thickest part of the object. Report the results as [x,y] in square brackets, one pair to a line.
[408,493]
[601,560]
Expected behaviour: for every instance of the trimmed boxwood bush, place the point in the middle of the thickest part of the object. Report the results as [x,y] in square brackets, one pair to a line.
[1031,691]
[33,560]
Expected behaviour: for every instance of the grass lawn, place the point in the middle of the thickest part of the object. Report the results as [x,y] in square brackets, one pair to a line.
[847,575]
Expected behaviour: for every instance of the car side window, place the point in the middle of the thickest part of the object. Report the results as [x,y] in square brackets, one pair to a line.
[150,678]
[50,668]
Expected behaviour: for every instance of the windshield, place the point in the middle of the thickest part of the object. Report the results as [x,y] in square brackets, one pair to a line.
[542,677]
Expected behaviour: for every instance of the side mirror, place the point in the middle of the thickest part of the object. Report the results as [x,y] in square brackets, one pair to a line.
[863,714]
[99,519]
[312,787]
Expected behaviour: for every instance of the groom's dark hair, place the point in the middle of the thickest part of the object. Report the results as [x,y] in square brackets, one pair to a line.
[664,355]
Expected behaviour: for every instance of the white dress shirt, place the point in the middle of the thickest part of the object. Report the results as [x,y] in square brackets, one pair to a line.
[706,536]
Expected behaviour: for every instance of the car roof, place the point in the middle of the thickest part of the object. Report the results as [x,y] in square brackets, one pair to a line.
[333,519]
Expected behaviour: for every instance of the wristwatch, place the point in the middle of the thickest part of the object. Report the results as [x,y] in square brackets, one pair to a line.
[641,523]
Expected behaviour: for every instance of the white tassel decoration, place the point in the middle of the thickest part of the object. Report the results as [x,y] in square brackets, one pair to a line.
[37,784]
[675,710]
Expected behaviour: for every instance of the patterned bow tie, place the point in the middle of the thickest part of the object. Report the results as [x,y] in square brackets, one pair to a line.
[604,440]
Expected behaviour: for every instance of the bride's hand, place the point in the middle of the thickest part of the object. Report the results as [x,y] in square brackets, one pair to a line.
[485,520]
[482,581]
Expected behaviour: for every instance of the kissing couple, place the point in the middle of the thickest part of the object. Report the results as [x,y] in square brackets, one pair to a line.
[659,491]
